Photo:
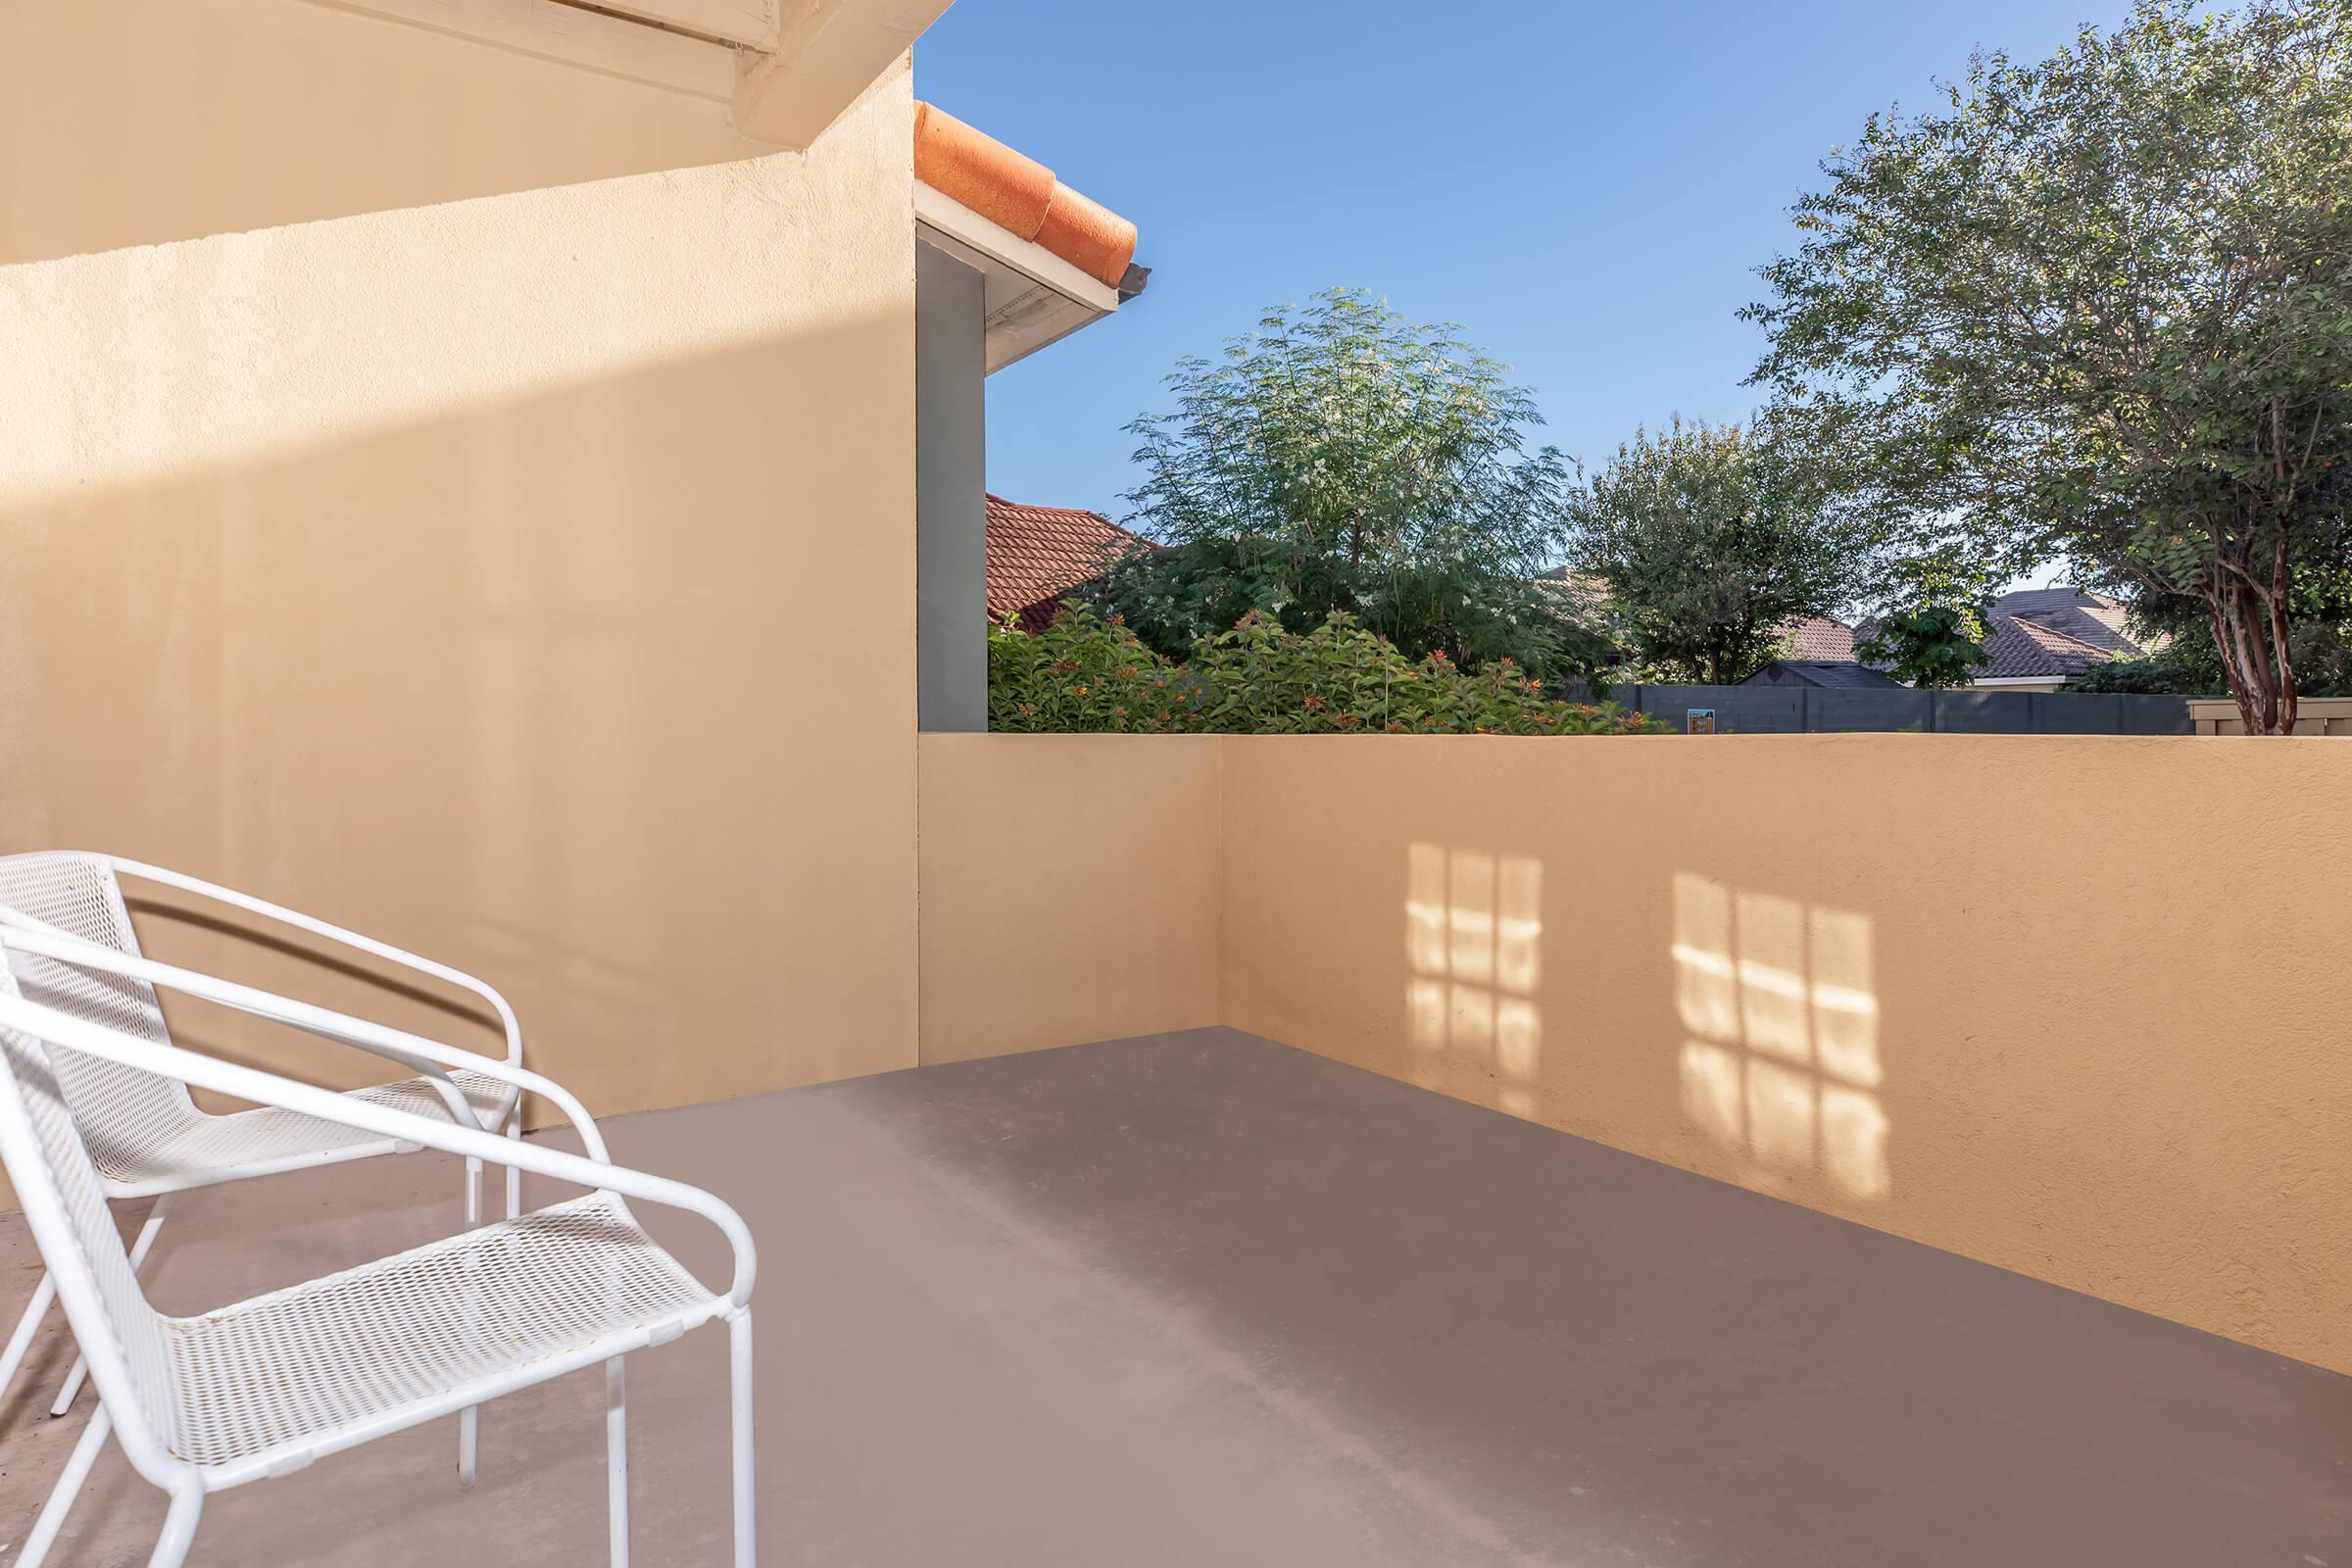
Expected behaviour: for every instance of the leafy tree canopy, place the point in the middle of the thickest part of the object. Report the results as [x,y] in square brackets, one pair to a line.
[2101,307]
[1705,542]
[1344,458]
[2319,629]
[1933,631]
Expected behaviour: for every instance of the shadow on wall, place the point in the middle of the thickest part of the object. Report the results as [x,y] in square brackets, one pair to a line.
[494,685]
[1781,1069]
[1473,941]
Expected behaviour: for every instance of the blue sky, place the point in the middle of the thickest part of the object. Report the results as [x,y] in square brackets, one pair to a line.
[1588,189]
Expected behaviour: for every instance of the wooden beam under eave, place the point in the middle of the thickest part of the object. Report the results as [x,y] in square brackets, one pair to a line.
[827,53]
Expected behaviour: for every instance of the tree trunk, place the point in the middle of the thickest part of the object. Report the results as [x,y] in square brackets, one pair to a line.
[2282,638]
[2251,636]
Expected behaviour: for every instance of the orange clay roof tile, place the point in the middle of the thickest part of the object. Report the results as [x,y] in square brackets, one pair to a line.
[1020,194]
[1037,554]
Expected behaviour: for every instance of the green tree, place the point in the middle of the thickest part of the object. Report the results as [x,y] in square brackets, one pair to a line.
[1344,458]
[2101,307]
[1933,631]
[2318,635]
[1706,542]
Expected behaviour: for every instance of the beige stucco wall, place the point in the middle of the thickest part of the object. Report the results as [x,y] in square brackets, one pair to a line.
[442,568]
[1069,889]
[527,579]
[2074,1006]
[137,122]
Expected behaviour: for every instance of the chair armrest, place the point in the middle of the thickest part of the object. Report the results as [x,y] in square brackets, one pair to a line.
[334,933]
[287,1094]
[415,1051]
[66,948]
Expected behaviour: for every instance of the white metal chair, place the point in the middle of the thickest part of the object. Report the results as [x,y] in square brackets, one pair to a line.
[260,1389]
[146,1136]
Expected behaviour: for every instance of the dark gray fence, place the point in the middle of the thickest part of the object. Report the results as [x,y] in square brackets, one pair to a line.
[1794,709]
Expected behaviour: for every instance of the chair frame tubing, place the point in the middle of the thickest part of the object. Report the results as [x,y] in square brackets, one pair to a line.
[118,867]
[188,1484]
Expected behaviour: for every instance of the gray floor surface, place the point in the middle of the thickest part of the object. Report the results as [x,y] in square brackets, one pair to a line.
[1199,1298]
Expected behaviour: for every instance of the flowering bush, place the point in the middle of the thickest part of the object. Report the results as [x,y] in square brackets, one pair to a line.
[1084,674]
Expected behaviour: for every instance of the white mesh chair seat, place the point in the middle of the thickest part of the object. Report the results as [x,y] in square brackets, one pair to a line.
[95,1106]
[259,1388]
[191,1148]
[334,1353]
[144,1133]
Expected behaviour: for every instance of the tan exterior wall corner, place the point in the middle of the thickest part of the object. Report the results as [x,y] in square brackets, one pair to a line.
[447,572]
[1069,889]
[2041,1000]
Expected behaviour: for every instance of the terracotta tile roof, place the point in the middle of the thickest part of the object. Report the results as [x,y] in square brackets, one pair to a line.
[1819,639]
[1037,554]
[1020,194]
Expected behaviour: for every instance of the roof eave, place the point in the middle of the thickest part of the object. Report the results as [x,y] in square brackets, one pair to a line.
[1030,297]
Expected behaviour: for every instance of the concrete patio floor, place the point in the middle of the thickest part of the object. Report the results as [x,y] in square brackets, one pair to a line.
[1201,1299]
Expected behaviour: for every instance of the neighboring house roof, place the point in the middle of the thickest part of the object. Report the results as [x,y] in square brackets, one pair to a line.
[2084,617]
[2041,633]
[1019,194]
[2022,648]
[1037,554]
[1816,638]
[1842,674]
[2036,634]
[1819,639]
[2054,633]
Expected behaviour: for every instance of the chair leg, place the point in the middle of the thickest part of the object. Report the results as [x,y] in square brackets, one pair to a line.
[179,1528]
[68,1486]
[747,1505]
[21,1341]
[469,1419]
[139,1250]
[616,1456]
[515,1172]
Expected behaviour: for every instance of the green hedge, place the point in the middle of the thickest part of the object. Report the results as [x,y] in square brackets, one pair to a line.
[1084,674]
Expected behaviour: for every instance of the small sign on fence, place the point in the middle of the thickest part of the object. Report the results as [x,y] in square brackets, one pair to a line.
[1698,721]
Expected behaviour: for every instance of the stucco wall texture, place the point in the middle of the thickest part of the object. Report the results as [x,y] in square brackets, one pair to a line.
[2034,1000]
[442,570]
[2070,1005]
[141,121]
[448,572]
[1070,889]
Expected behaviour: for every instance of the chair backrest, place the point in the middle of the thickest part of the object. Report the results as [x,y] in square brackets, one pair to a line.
[118,1110]
[67,1205]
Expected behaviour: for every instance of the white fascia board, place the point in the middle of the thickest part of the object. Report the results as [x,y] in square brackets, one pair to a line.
[1024,314]
[1002,245]
[1033,297]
